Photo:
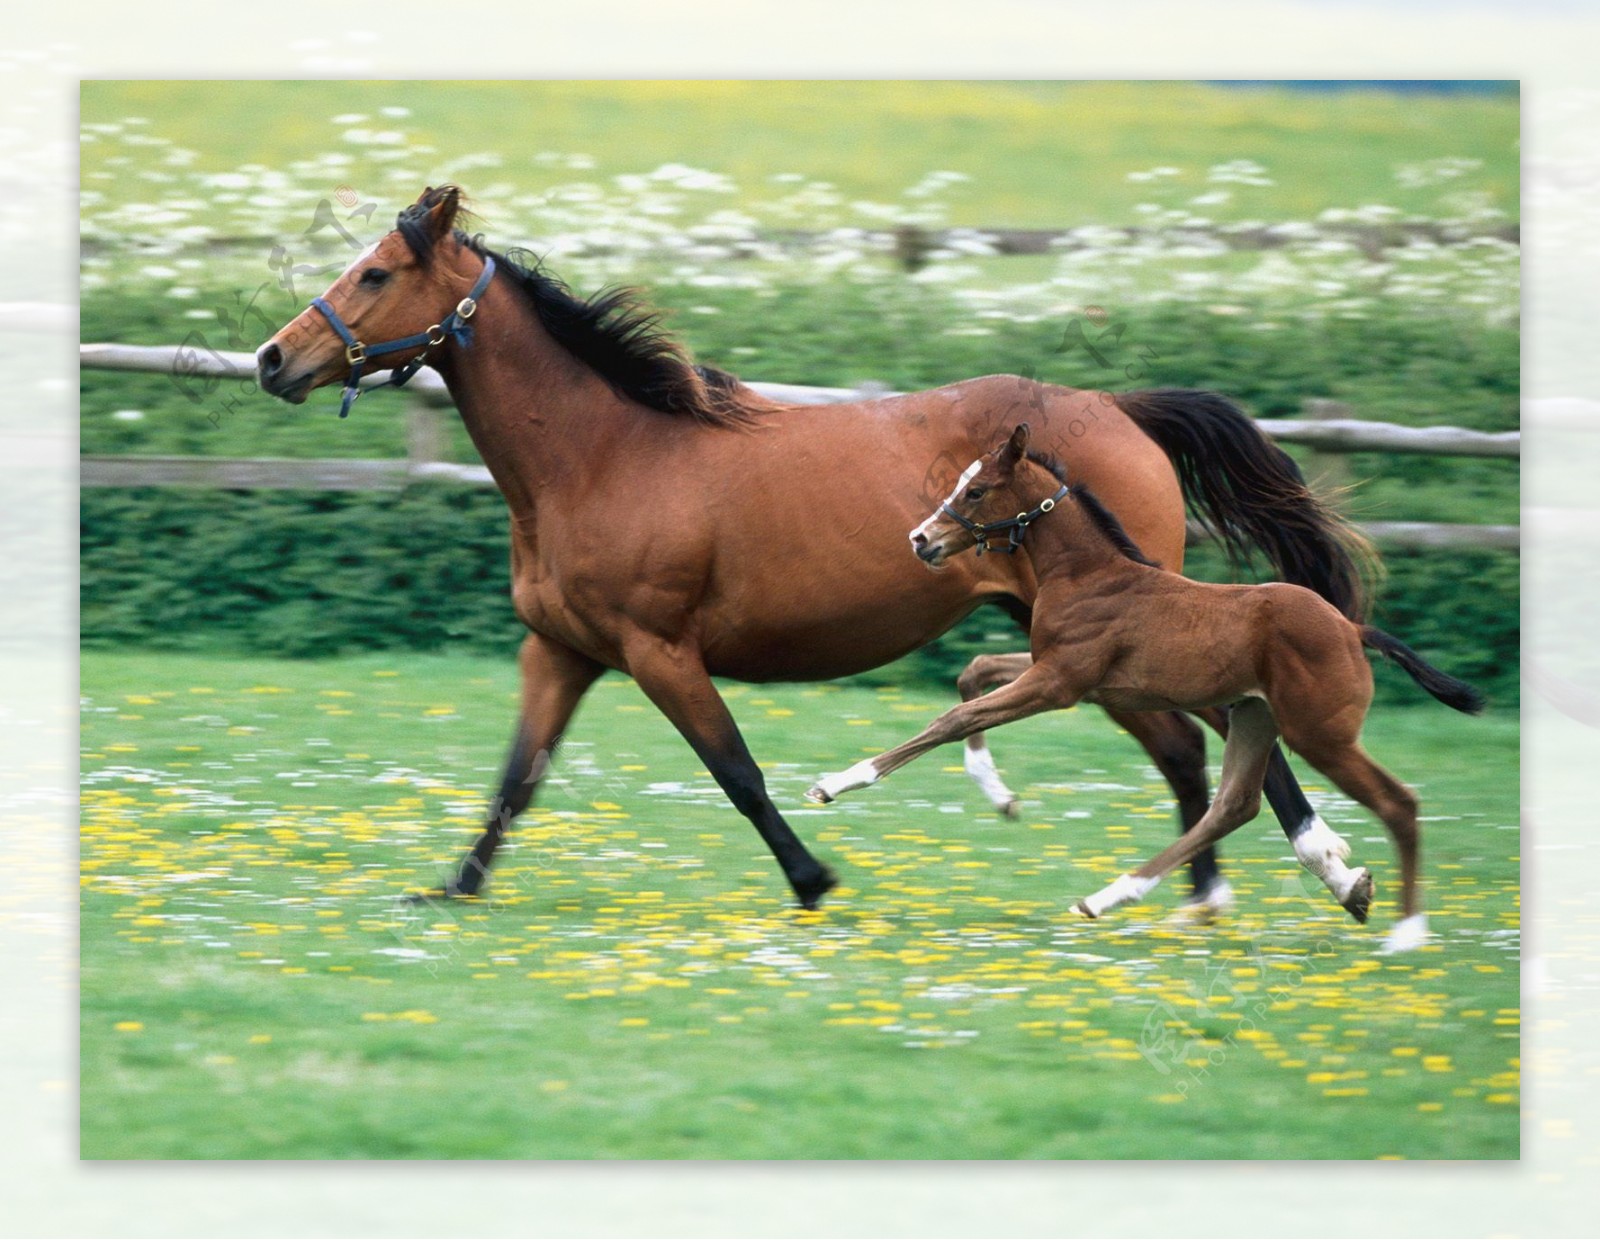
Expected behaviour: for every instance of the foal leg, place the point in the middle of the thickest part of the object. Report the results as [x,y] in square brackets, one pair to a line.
[1251,734]
[1317,846]
[1363,780]
[675,679]
[1177,746]
[1037,689]
[989,671]
[554,679]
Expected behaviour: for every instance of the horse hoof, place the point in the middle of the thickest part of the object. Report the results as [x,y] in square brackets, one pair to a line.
[1208,905]
[810,893]
[1082,906]
[1359,902]
[1409,933]
[1012,809]
[817,795]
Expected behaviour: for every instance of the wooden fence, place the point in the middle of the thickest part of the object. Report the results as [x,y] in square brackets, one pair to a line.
[1324,431]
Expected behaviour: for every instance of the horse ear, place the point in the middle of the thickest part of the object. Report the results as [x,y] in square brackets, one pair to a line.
[1015,448]
[442,205]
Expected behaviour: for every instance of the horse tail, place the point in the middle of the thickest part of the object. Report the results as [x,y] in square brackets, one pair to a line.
[1456,694]
[1252,495]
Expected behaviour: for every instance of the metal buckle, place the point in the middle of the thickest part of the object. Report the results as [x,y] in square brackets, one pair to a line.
[1047,505]
[356,354]
[436,335]
[465,307]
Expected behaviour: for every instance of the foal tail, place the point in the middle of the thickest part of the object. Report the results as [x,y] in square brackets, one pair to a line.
[1456,694]
[1252,494]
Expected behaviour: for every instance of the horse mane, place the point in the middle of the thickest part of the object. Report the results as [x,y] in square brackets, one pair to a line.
[1101,517]
[612,333]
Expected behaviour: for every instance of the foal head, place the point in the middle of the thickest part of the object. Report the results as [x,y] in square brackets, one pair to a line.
[993,488]
[1009,488]
[404,285]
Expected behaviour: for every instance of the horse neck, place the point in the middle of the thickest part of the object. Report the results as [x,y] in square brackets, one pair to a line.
[539,418]
[1066,542]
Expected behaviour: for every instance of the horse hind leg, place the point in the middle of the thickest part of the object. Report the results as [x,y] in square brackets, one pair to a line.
[990,671]
[1363,780]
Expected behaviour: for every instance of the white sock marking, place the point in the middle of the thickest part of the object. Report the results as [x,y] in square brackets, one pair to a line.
[980,765]
[1409,933]
[1322,850]
[1125,890]
[858,776]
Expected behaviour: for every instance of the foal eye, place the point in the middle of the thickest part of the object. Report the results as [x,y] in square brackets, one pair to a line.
[975,494]
[374,276]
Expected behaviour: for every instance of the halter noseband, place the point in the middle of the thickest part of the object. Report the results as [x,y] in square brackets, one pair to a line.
[453,326]
[1015,526]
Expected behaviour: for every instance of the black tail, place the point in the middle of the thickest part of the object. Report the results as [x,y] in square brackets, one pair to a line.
[1456,694]
[1252,495]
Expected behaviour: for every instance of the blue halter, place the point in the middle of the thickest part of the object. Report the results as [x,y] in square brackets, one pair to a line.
[453,326]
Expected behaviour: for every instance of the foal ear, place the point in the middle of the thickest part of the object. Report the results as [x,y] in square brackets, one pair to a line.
[1014,448]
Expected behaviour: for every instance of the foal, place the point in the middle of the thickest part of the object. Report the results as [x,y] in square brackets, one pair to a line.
[1110,627]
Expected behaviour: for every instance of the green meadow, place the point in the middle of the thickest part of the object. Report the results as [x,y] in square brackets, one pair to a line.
[637,985]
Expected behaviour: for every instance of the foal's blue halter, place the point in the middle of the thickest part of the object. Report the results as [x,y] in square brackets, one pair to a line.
[454,326]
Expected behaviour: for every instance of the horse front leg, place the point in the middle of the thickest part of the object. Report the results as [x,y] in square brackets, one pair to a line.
[675,679]
[554,680]
[1038,689]
[990,671]
[1177,747]
[1251,737]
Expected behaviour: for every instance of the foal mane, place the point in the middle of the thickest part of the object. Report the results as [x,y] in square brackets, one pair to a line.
[1101,517]
[612,333]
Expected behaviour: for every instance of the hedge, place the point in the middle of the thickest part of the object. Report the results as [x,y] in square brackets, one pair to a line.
[306,574]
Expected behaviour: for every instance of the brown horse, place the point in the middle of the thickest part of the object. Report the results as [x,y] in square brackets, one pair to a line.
[655,505]
[1110,627]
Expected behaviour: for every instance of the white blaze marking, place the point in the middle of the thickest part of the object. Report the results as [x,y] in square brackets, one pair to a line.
[980,765]
[961,482]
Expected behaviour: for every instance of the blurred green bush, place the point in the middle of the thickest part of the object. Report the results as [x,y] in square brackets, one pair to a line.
[305,574]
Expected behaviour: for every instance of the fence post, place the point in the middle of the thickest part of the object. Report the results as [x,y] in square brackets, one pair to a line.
[424,437]
[1329,471]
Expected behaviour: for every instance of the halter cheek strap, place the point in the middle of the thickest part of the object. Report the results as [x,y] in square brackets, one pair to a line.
[453,326]
[1015,526]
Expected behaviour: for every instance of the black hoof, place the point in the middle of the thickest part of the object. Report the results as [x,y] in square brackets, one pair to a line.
[1359,902]
[812,890]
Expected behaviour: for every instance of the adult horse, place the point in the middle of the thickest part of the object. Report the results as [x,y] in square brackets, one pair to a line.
[670,523]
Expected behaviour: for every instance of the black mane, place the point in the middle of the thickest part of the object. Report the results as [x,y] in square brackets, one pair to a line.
[1099,515]
[614,335]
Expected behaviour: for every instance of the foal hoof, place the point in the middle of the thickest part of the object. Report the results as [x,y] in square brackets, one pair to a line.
[1012,809]
[1359,901]
[818,795]
[811,891]
[1082,906]
[1207,906]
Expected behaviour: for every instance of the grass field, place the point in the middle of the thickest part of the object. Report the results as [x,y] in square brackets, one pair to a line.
[636,985]
[1046,154]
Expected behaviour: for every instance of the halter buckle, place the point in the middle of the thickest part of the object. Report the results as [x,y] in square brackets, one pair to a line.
[436,334]
[356,354]
[465,308]
[1046,505]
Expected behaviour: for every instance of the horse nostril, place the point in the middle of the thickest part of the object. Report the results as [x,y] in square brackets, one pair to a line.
[919,541]
[269,361]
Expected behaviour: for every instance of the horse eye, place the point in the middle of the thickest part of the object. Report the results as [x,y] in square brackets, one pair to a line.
[975,494]
[374,276]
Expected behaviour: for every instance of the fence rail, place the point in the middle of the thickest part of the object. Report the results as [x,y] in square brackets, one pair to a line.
[1320,433]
